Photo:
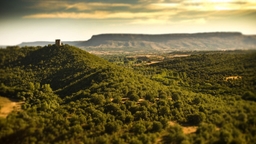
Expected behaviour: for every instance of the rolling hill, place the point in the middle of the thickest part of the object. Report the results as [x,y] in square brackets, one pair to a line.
[71,96]
[68,70]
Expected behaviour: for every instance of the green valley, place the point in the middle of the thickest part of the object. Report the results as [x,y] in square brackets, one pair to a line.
[71,96]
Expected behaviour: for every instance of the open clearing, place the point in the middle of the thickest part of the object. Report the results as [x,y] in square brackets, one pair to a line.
[232,78]
[8,105]
[185,129]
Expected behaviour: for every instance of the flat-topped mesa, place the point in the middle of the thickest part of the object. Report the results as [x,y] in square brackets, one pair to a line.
[134,43]
[163,37]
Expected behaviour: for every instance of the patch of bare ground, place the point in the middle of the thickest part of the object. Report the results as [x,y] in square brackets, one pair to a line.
[189,129]
[153,62]
[232,78]
[177,56]
[8,105]
[185,129]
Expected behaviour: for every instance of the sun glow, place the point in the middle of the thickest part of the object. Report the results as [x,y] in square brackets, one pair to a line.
[221,5]
[221,1]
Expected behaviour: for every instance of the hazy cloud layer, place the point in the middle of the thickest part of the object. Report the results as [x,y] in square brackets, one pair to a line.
[138,11]
[135,11]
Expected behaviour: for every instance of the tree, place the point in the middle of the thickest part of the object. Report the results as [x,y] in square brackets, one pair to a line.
[144,115]
[111,127]
[98,99]
[249,96]
[46,88]
[196,101]
[139,128]
[129,118]
[175,96]
[149,97]
[175,135]
[117,99]
[157,126]
[164,111]
[225,137]
[133,97]
[31,86]
[196,119]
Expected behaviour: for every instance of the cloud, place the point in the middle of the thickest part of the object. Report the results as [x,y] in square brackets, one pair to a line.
[79,6]
[200,5]
[97,15]
[146,11]
[142,5]
[194,21]
[211,5]
[92,6]
[161,20]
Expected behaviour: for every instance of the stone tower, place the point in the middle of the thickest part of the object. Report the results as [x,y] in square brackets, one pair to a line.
[58,42]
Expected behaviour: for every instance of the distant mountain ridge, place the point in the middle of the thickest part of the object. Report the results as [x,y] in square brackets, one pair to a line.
[130,43]
[160,37]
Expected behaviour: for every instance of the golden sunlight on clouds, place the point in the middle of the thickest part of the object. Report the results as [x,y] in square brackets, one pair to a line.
[97,15]
[164,21]
[149,21]
[165,5]
[212,5]
[201,5]
[91,6]
[195,21]
[146,11]
[64,5]
[205,5]
[221,1]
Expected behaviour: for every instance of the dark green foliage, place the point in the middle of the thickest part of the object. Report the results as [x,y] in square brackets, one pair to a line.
[249,96]
[157,126]
[175,135]
[111,127]
[139,128]
[196,119]
[210,72]
[71,96]
[133,96]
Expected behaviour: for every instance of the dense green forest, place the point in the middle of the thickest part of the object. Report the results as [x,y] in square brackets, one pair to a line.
[71,96]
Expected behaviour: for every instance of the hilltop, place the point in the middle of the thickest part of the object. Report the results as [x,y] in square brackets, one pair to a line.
[141,43]
[46,43]
[68,70]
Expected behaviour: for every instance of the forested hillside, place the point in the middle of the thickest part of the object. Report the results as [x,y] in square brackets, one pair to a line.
[216,73]
[68,70]
[71,96]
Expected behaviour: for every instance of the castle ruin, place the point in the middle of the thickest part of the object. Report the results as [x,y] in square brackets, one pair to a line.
[58,42]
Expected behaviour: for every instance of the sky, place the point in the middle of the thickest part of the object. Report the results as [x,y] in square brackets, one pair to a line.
[71,20]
